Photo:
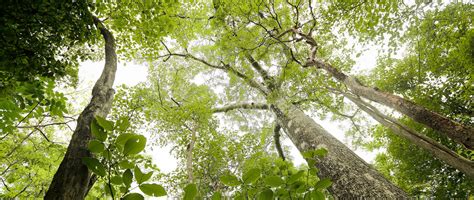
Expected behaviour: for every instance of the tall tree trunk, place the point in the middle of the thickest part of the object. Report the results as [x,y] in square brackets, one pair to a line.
[352,177]
[73,180]
[436,149]
[463,134]
[189,157]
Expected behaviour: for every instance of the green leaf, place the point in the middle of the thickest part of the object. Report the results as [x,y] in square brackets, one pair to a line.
[94,165]
[122,139]
[141,177]
[251,176]
[266,194]
[125,164]
[216,196]
[317,195]
[320,152]
[109,190]
[105,124]
[96,146]
[190,191]
[116,180]
[134,145]
[153,190]
[230,180]
[133,196]
[274,181]
[127,177]
[122,124]
[97,131]
[293,178]
[323,184]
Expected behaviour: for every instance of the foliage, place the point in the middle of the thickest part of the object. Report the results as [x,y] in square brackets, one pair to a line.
[435,73]
[232,153]
[117,160]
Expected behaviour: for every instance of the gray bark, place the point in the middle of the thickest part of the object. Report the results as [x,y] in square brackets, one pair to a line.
[463,134]
[72,180]
[436,149]
[352,177]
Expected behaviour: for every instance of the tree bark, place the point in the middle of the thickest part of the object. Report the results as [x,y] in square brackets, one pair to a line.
[436,149]
[463,134]
[352,177]
[72,179]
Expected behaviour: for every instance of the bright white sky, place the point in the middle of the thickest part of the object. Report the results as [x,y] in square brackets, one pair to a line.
[132,74]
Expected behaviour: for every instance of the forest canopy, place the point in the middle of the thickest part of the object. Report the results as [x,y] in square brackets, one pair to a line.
[233,91]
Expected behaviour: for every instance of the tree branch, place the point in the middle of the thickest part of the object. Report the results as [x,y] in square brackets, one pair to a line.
[224,67]
[276,138]
[256,106]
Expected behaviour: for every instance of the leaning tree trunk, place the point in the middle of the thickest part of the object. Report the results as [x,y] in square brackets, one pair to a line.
[73,180]
[436,149]
[352,177]
[463,134]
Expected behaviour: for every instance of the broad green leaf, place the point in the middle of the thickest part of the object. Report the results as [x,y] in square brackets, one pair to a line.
[293,178]
[97,131]
[190,191]
[134,145]
[116,180]
[125,164]
[105,124]
[133,196]
[96,146]
[274,181]
[141,177]
[266,194]
[122,124]
[317,195]
[153,190]
[216,196]
[122,139]
[230,180]
[94,165]
[127,177]
[323,183]
[251,176]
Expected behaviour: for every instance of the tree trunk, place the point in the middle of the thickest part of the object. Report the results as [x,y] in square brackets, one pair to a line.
[437,150]
[460,133]
[72,179]
[352,177]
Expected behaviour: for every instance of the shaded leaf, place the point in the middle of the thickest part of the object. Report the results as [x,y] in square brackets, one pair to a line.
[96,146]
[153,190]
[97,131]
[134,145]
[251,176]
[266,194]
[105,124]
[140,176]
[274,181]
[133,196]
[190,191]
[94,165]
[230,180]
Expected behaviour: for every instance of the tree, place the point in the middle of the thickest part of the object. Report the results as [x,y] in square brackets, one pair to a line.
[432,74]
[234,79]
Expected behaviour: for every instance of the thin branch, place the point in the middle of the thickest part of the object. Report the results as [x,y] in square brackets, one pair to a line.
[276,138]
[26,116]
[256,106]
